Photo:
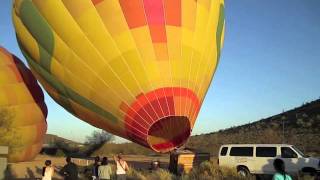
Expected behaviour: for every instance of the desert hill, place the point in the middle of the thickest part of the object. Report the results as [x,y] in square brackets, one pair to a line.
[299,126]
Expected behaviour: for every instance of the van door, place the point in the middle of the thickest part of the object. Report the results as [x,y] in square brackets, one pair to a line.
[264,159]
[242,156]
[290,159]
[223,158]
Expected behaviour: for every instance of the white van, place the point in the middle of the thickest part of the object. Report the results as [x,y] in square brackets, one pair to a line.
[258,158]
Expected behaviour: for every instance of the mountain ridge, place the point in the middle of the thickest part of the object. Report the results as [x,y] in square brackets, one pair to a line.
[299,126]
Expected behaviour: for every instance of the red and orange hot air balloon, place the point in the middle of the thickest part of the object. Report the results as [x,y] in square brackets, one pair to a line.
[137,68]
[22,109]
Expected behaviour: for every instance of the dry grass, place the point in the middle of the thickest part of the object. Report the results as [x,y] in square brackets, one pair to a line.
[206,171]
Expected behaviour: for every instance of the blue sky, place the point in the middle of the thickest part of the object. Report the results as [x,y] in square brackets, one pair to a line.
[270,62]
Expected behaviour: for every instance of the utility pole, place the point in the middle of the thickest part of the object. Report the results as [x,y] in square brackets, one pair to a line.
[283,118]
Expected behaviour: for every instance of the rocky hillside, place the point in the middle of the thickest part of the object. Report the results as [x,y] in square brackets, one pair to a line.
[299,126]
[51,139]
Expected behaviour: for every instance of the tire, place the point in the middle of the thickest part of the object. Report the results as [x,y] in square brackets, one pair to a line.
[309,171]
[243,171]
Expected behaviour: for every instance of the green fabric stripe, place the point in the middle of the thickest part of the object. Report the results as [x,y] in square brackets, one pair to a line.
[63,100]
[67,92]
[219,30]
[40,30]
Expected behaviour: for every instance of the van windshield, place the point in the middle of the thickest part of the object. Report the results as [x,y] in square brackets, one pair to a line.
[299,152]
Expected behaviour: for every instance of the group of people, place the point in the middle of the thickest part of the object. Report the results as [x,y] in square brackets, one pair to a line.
[100,170]
[69,171]
[103,171]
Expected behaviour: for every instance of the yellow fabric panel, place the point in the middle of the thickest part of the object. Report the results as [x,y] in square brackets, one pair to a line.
[200,28]
[179,69]
[124,41]
[192,70]
[28,135]
[26,153]
[130,81]
[15,94]
[30,110]
[144,44]
[165,72]
[161,51]
[153,74]
[188,14]
[111,8]
[138,68]
[186,38]
[205,4]
[117,86]
[93,28]
[174,43]
[7,76]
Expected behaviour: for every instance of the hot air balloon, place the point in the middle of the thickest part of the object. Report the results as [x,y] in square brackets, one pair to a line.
[139,69]
[22,109]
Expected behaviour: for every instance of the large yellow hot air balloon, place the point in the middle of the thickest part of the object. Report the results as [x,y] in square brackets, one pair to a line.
[137,68]
[22,109]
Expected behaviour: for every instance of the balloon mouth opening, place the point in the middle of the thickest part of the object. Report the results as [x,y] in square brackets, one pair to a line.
[169,133]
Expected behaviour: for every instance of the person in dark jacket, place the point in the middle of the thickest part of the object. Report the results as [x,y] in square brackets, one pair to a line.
[95,168]
[70,170]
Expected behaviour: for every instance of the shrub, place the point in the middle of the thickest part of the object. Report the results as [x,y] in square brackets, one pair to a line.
[133,174]
[161,174]
[210,170]
[60,153]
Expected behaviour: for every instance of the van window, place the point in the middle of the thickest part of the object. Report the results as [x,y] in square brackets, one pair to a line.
[287,152]
[241,151]
[266,152]
[224,151]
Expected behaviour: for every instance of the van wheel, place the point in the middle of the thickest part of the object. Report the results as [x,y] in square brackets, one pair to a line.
[243,171]
[309,171]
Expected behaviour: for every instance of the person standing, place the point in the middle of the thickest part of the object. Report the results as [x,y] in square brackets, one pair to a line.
[280,174]
[47,171]
[104,170]
[95,168]
[122,167]
[70,170]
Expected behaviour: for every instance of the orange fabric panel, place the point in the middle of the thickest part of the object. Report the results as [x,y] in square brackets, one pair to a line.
[134,13]
[173,12]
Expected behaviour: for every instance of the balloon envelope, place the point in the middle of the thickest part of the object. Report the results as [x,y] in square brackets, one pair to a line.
[22,108]
[137,68]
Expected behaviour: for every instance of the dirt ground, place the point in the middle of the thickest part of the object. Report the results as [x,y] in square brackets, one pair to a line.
[33,169]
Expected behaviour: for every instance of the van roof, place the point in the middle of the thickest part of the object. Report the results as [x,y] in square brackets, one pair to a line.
[266,145]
